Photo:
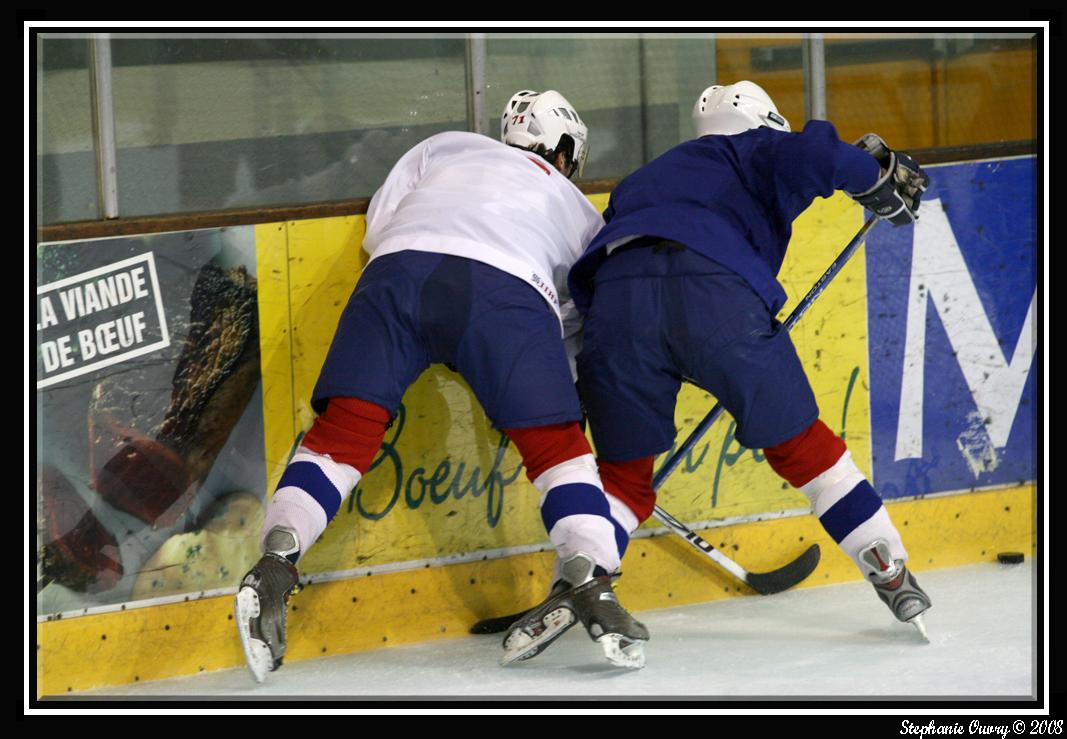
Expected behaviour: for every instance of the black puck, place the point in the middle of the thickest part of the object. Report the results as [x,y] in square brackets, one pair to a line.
[1010,558]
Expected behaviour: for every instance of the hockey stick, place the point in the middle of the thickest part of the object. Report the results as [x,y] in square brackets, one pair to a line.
[764,583]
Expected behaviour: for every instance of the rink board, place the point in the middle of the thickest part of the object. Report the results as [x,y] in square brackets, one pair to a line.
[377,611]
[447,487]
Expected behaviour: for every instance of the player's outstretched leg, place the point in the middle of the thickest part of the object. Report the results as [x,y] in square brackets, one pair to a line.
[330,462]
[583,593]
[819,465]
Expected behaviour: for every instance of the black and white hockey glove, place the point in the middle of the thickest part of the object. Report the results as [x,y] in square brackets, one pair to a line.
[895,196]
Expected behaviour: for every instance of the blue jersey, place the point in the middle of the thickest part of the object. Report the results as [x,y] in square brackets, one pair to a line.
[731,198]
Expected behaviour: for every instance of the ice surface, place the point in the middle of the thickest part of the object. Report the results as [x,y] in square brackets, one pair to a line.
[831,641]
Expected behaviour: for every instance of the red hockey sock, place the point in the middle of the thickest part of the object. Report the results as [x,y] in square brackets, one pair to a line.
[544,447]
[630,482]
[350,431]
[807,455]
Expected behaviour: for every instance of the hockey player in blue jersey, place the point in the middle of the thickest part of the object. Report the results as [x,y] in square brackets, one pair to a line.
[681,285]
[470,241]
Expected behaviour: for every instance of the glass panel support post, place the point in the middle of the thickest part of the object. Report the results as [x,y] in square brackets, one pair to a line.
[477,112]
[813,52]
[103,113]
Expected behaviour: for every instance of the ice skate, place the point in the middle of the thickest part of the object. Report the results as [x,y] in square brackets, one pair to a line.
[262,602]
[896,586]
[590,600]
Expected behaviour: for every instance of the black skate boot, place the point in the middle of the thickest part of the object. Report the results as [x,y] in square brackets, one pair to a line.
[896,586]
[262,601]
[591,600]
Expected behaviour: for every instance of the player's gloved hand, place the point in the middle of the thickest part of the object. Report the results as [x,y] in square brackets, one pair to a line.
[895,196]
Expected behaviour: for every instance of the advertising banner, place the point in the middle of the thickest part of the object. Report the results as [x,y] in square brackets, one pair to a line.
[953,334]
[149,423]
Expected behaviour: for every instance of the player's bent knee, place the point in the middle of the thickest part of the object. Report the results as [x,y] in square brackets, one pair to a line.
[349,431]
[807,455]
[544,448]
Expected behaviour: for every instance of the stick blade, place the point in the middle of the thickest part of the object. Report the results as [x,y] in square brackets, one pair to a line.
[497,624]
[785,577]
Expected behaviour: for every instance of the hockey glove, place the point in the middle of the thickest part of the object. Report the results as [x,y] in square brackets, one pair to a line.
[895,196]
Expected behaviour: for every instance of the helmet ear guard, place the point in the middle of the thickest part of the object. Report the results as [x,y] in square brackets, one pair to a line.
[566,147]
[547,124]
[736,108]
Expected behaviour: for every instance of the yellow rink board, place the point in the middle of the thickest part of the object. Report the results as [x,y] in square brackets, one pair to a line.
[442,602]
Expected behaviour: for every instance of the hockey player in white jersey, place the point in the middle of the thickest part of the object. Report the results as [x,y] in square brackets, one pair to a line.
[470,243]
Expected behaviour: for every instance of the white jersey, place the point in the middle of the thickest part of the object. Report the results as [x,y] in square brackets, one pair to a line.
[471,196]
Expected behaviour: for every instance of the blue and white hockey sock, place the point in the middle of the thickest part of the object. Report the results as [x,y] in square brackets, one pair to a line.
[578,515]
[308,496]
[852,512]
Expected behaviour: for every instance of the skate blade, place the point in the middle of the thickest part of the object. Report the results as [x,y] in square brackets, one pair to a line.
[918,622]
[520,645]
[623,652]
[257,653]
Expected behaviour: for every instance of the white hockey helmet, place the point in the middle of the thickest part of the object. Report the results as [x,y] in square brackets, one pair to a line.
[734,109]
[545,123]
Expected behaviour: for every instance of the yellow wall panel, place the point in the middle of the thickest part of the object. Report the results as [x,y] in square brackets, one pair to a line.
[442,602]
[275,345]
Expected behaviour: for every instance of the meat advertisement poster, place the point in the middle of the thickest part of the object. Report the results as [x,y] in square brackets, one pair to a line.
[150,472]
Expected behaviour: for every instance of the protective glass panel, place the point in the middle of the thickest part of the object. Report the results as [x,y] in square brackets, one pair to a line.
[772,61]
[933,90]
[66,163]
[210,122]
[634,91]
